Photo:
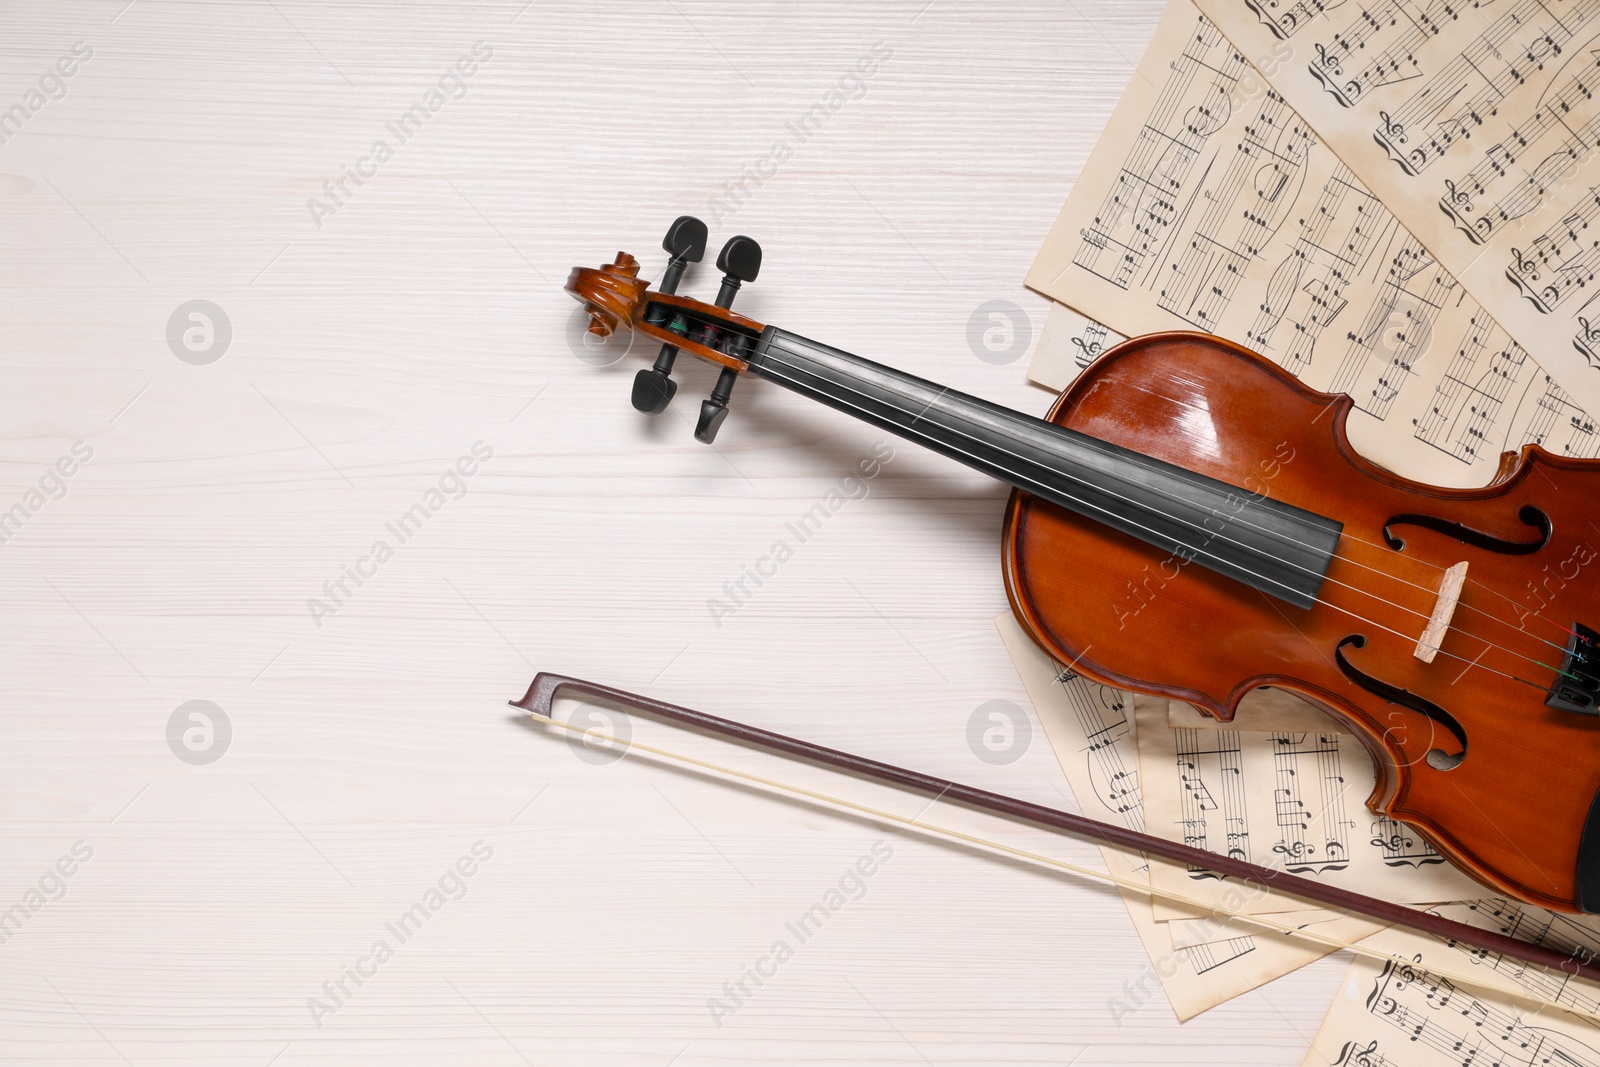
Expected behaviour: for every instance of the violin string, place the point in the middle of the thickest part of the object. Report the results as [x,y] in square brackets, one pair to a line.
[1104,449]
[766,370]
[1477,662]
[1095,444]
[1146,889]
[1463,603]
[1564,629]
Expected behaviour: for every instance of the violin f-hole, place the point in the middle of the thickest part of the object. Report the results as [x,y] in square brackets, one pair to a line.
[1529,515]
[1437,758]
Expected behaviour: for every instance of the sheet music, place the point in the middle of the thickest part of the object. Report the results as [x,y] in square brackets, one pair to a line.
[1389,1014]
[1293,800]
[1204,207]
[1261,711]
[1094,736]
[1068,343]
[1568,933]
[1476,123]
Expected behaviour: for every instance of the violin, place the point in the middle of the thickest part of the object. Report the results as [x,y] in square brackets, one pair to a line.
[1190,521]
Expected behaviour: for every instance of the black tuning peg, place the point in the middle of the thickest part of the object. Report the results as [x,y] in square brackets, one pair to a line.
[685,243]
[740,262]
[653,387]
[714,409]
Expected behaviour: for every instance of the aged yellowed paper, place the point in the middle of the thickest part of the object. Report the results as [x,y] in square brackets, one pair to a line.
[1386,1015]
[1200,209]
[1292,800]
[1476,123]
[1091,729]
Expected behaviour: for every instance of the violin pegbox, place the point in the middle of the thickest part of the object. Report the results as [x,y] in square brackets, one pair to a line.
[615,295]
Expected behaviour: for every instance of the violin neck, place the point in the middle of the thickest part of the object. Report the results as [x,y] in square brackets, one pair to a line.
[1279,549]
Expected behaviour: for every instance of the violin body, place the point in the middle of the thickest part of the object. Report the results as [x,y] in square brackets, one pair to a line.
[1469,751]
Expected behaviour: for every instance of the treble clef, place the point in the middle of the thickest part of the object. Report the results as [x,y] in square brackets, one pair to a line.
[1392,129]
[1327,60]
[1353,1055]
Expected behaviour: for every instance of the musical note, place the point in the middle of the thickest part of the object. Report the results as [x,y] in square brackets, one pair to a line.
[1137,212]
[1410,1016]
[1553,419]
[1310,841]
[1286,799]
[1210,775]
[1454,104]
[1398,329]
[1556,129]
[1236,207]
[1470,400]
[1478,125]
[1369,69]
[1102,716]
[1560,262]
[1090,343]
[1094,730]
[1285,17]
[1256,232]
[1400,845]
[1307,288]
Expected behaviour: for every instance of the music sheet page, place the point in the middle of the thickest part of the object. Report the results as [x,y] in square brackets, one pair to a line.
[1290,800]
[1092,731]
[1393,1014]
[1476,122]
[1196,213]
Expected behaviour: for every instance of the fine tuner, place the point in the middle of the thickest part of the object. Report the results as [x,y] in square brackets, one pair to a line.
[1190,521]
[740,262]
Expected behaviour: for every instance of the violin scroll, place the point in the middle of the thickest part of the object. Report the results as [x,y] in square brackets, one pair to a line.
[615,296]
[610,294]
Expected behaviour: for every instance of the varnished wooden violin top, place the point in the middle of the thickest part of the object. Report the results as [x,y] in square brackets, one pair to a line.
[1191,521]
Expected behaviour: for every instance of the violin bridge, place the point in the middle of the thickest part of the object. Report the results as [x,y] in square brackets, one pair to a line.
[1444,610]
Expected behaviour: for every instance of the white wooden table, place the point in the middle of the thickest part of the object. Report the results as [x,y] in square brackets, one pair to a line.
[375,333]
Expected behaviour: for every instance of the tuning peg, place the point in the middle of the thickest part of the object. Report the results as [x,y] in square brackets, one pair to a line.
[714,409]
[653,387]
[685,243]
[739,261]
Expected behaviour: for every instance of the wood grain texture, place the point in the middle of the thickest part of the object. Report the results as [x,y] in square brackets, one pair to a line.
[367,356]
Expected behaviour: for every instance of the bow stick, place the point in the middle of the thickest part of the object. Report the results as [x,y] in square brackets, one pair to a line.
[540,698]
